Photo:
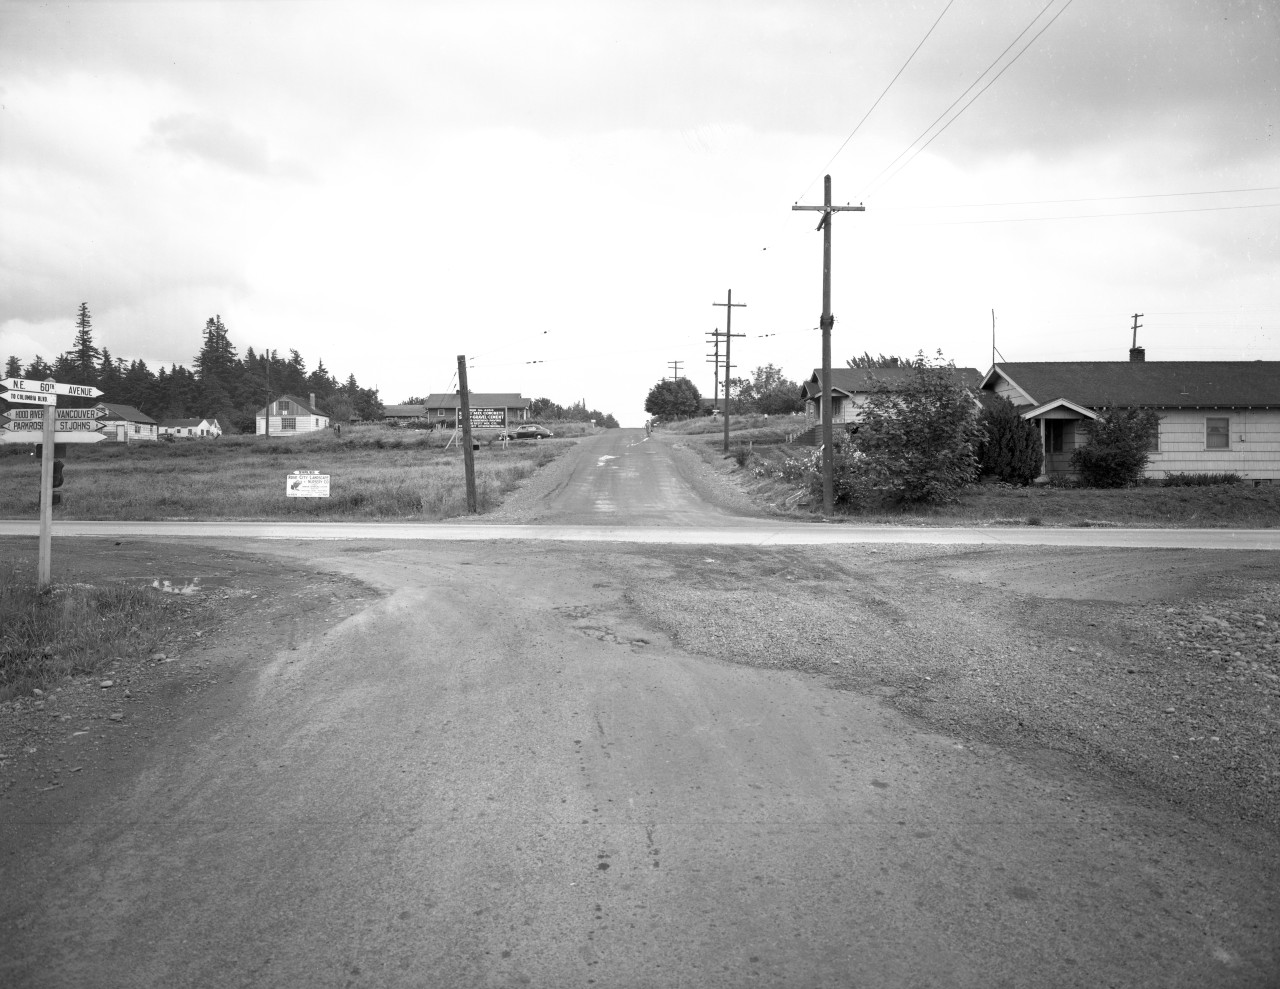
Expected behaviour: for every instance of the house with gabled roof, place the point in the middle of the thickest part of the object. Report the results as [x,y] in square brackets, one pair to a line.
[852,386]
[494,408]
[399,415]
[190,428]
[290,415]
[1215,416]
[125,424]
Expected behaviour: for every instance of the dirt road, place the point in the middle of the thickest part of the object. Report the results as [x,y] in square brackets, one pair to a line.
[532,764]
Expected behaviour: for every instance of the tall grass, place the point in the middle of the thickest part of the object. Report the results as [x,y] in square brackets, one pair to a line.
[70,629]
[374,473]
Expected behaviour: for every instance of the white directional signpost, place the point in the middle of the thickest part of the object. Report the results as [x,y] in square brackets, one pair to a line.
[55,426]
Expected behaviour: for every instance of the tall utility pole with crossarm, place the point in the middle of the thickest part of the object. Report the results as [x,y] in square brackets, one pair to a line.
[828,460]
[728,336]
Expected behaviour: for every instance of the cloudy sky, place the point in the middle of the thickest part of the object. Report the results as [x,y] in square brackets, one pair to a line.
[561,190]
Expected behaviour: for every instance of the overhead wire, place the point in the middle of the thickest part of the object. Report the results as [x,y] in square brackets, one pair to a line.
[882,95]
[872,186]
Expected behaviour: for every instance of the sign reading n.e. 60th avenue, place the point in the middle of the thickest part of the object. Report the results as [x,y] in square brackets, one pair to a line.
[20,388]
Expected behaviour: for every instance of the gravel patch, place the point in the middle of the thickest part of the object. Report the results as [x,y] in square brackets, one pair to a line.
[1158,669]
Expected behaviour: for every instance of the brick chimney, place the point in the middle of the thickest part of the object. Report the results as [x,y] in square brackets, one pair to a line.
[313,394]
[1137,353]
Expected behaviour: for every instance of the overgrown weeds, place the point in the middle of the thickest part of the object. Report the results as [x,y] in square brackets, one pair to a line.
[71,629]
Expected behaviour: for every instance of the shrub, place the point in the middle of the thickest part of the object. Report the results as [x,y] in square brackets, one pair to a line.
[1011,450]
[917,439]
[1116,449]
[1199,480]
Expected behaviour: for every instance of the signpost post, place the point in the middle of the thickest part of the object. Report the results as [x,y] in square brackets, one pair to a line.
[74,425]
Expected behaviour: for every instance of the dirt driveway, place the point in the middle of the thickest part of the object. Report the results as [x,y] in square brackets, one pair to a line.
[505,764]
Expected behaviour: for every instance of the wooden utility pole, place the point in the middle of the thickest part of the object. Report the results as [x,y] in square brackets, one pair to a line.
[44,569]
[464,416]
[728,339]
[715,357]
[828,459]
[675,369]
[1136,327]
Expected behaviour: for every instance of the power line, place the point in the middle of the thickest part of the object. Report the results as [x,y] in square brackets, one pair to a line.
[1095,199]
[1095,216]
[976,95]
[917,48]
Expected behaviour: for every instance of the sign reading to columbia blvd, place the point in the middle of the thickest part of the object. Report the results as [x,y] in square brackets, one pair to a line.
[307,484]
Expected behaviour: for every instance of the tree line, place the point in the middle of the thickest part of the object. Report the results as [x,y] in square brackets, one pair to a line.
[220,384]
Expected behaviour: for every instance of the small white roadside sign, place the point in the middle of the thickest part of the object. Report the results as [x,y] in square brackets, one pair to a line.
[307,484]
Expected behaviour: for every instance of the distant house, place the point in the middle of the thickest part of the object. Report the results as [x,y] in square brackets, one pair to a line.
[400,414]
[125,424]
[852,386]
[504,408]
[1215,416]
[190,428]
[290,415]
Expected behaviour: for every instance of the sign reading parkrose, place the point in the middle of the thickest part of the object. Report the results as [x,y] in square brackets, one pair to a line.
[488,418]
[307,484]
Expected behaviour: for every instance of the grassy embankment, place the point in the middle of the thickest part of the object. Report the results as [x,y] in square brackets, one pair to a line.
[375,473]
[47,637]
[769,470]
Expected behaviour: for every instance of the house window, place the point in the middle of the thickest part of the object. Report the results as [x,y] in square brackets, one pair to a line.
[282,408]
[137,429]
[1153,444]
[289,422]
[1217,433]
[1053,429]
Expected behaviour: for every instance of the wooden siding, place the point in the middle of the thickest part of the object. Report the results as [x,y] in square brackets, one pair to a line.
[1254,452]
[302,424]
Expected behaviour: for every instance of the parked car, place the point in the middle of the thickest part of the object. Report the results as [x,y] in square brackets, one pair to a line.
[529,431]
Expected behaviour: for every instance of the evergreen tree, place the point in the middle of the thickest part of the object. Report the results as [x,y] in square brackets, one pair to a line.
[110,374]
[84,355]
[38,369]
[13,367]
[1011,449]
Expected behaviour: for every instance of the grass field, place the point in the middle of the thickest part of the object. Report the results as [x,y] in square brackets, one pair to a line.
[375,473]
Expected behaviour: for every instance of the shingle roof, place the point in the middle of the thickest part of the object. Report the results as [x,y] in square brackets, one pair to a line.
[180,423]
[480,400]
[861,379]
[303,404]
[403,411]
[1157,384]
[127,413]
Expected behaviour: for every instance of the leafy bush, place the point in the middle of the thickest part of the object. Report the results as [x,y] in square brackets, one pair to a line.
[1116,448]
[1011,449]
[1199,480]
[916,442]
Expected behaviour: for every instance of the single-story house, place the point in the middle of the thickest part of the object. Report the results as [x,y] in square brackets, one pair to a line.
[397,415]
[1215,416]
[125,424]
[852,386]
[291,415]
[190,428]
[495,408]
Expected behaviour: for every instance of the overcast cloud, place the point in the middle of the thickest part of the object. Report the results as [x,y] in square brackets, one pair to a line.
[388,185]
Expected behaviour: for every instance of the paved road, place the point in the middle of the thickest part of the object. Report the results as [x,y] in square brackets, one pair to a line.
[497,777]
[621,487]
[743,532]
